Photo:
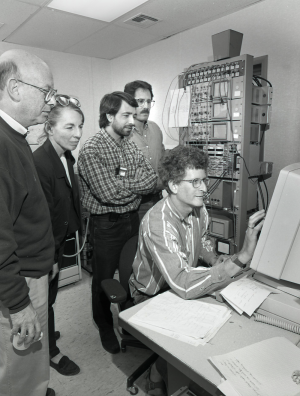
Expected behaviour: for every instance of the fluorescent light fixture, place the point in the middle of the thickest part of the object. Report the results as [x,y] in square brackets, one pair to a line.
[104,10]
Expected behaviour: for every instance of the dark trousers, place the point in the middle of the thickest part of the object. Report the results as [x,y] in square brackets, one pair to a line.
[108,238]
[53,288]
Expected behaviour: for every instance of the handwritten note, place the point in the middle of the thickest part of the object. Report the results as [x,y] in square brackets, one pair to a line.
[245,295]
[261,369]
[182,318]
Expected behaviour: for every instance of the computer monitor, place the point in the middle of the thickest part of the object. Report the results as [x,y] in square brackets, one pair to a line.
[276,259]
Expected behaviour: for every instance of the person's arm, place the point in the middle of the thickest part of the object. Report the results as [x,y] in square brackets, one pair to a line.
[102,182]
[188,282]
[145,178]
[255,224]
[13,287]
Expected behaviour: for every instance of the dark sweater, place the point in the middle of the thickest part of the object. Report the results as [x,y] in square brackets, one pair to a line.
[26,241]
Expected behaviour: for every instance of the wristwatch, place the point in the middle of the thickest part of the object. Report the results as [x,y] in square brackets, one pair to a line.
[236,261]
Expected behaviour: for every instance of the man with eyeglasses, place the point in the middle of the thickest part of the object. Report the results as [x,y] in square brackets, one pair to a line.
[173,244]
[173,234]
[27,246]
[147,136]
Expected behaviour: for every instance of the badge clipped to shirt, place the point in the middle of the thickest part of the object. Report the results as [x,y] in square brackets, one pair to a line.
[120,171]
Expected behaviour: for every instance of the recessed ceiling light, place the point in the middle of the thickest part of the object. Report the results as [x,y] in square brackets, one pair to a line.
[104,10]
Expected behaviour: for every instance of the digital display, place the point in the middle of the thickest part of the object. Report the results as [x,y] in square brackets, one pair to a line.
[220,131]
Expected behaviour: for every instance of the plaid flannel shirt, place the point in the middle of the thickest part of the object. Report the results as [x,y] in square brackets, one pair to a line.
[103,190]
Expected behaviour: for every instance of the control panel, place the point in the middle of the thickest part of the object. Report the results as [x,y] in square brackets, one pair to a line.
[229,112]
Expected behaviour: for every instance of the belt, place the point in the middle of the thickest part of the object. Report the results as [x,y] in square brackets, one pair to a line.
[113,216]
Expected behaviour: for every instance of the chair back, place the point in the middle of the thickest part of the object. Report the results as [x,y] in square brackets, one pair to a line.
[126,260]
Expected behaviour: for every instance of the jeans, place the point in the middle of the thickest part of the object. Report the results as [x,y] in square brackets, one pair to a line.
[108,238]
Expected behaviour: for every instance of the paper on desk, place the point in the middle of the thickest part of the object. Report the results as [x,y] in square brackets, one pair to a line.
[262,369]
[246,295]
[179,107]
[186,317]
[183,338]
[228,390]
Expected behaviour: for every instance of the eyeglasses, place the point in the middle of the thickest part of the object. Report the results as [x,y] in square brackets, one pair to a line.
[149,102]
[198,182]
[49,93]
[65,100]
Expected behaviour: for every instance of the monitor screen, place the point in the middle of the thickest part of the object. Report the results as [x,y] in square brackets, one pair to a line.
[219,131]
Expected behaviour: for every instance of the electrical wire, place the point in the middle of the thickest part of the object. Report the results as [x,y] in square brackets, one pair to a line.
[261,196]
[164,106]
[262,78]
[83,243]
[267,195]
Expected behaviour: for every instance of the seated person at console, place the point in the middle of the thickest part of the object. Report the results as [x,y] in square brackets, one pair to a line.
[173,235]
[173,242]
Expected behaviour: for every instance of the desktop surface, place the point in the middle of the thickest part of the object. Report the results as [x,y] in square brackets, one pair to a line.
[238,332]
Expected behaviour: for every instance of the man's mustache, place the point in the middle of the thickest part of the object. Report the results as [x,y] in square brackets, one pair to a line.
[146,111]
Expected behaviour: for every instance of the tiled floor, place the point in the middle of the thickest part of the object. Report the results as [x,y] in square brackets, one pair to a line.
[101,373]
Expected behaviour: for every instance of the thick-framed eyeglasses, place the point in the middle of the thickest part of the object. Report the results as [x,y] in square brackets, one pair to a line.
[48,93]
[148,102]
[65,100]
[198,182]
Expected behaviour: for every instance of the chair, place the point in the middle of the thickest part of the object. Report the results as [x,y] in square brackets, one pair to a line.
[118,293]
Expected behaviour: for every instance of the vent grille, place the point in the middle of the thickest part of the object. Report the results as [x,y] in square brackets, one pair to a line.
[141,20]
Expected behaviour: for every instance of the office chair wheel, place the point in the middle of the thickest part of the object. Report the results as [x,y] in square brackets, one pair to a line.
[133,390]
[123,349]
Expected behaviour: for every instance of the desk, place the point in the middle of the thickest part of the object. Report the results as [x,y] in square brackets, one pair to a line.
[188,365]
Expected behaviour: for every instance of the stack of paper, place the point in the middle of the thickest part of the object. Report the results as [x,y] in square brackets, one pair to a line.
[246,295]
[194,322]
[262,369]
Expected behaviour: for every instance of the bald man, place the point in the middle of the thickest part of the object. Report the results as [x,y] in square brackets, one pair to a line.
[27,246]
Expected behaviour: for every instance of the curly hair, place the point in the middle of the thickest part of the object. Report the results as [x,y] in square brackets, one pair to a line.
[175,163]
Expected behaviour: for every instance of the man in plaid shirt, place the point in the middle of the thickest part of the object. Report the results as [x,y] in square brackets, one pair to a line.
[114,175]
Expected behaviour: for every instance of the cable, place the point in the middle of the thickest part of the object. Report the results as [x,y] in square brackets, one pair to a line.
[263,132]
[258,83]
[83,243]
[162,116]
[262,78]
[261,196]
[267,194]
[277,323]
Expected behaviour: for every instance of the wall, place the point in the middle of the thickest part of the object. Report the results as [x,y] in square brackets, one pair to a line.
[270,28]
[86,78]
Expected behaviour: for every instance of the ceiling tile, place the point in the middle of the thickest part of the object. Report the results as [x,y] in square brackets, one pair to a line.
[57,30]
[35,2]
[111,42]
[178,15]
[97,9]
[13,14]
